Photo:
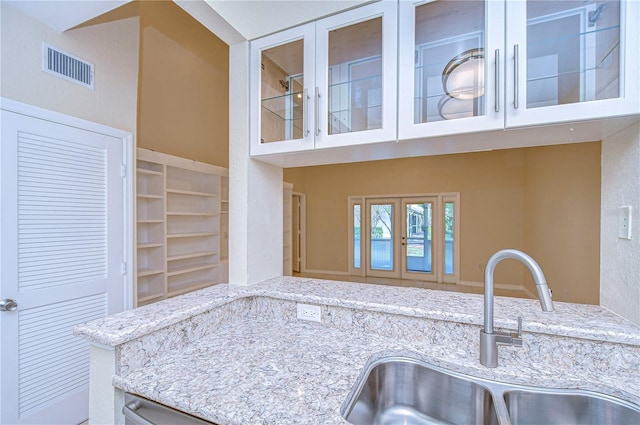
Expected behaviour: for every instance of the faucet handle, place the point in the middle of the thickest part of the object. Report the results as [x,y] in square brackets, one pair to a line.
[516,339]
[519,326]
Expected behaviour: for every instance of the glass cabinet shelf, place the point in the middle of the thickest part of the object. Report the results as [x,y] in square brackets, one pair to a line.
[373,80]
[573,52]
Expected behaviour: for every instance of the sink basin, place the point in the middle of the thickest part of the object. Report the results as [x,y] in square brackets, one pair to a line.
[567,407]
[403,391]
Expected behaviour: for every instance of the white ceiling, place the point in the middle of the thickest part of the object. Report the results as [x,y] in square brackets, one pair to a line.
[256,18]
[231,20]
[62,15]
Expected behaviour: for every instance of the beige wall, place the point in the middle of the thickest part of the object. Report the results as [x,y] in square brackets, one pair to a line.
[545,201]
[562,218]
[183,107]
[111,46]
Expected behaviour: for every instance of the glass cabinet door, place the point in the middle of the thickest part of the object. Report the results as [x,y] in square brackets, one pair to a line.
[356,74]
[355,78]
[568,59]
[573,52]
[282,89]
[449,66]
[281,81]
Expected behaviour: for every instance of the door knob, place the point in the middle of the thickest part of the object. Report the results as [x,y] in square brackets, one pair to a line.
[8,305]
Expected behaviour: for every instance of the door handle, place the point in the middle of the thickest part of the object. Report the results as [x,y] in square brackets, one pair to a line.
[8,305]
[305,119]
[317,111]
[516,74]
[130,411]
[497,81]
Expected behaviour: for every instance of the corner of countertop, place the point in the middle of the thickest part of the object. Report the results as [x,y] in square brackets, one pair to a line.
[121,327]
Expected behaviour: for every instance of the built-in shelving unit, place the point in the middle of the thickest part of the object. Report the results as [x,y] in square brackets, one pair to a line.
[181,232]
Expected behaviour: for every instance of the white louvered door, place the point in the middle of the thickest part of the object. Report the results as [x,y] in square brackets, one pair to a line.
[62,221]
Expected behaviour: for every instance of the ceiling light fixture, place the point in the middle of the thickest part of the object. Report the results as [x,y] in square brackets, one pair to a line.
[452,108]
[463,76]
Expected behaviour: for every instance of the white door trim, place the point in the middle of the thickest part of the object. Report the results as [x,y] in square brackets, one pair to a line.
[302,223]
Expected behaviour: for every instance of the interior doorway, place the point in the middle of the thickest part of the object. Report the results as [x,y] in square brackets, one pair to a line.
[298,224]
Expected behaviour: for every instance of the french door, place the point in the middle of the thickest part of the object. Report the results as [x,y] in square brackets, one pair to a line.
[413,238]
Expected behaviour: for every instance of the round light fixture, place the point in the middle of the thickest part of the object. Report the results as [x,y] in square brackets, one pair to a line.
[463,76]
[451,108]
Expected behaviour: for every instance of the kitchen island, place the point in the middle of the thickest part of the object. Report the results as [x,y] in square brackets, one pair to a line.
[239,355]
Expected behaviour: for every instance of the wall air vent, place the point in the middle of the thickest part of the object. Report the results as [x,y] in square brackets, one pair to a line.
[67,66]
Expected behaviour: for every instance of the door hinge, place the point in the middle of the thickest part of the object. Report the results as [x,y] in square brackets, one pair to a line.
[123,170]
[123,268]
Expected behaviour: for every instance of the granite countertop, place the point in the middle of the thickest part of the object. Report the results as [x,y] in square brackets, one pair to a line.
[568,319]
[266,370]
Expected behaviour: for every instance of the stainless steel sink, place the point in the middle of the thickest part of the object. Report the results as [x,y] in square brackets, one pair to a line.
[399,390]
[404,391]
[566,407]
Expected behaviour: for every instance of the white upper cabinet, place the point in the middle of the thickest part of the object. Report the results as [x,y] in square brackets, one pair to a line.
[326,84]
[468,66]
[282,86]
[450,58]
[410,70]
[571,60]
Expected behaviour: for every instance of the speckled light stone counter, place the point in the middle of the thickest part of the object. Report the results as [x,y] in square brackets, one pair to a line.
[238,355]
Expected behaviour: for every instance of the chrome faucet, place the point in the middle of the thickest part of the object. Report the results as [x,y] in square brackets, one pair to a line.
[489,339]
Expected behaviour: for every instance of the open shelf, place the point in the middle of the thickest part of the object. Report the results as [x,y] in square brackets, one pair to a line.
[191,193]
[194,286]
[148,272]
[192,255]
[190,235]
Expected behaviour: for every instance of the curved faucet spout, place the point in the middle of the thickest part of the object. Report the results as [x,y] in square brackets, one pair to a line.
[536,272]
[489,339]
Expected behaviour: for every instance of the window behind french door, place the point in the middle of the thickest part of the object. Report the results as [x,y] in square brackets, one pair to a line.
[412,238]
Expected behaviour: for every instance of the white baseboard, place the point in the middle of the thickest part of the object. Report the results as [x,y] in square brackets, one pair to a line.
[328,272]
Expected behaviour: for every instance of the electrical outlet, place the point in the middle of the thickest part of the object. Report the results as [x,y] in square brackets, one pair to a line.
[309,312]
[624,222]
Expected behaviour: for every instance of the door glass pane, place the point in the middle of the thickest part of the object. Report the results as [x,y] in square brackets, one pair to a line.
[449,60]
[356,236]
[573,51]
[355,77]
[381,218]
[282,84]
[448,237]
[419,237]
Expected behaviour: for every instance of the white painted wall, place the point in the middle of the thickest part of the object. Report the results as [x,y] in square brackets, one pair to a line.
[112,47]
[255,189]
[63,15]
[620,258]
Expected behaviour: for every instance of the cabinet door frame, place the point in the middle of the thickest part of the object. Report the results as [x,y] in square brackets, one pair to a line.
[627,104]
[388,11]
[307,33]
[493,119]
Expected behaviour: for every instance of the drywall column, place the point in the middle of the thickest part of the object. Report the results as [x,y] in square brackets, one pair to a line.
[620,258]
[255,189]
[105,401]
